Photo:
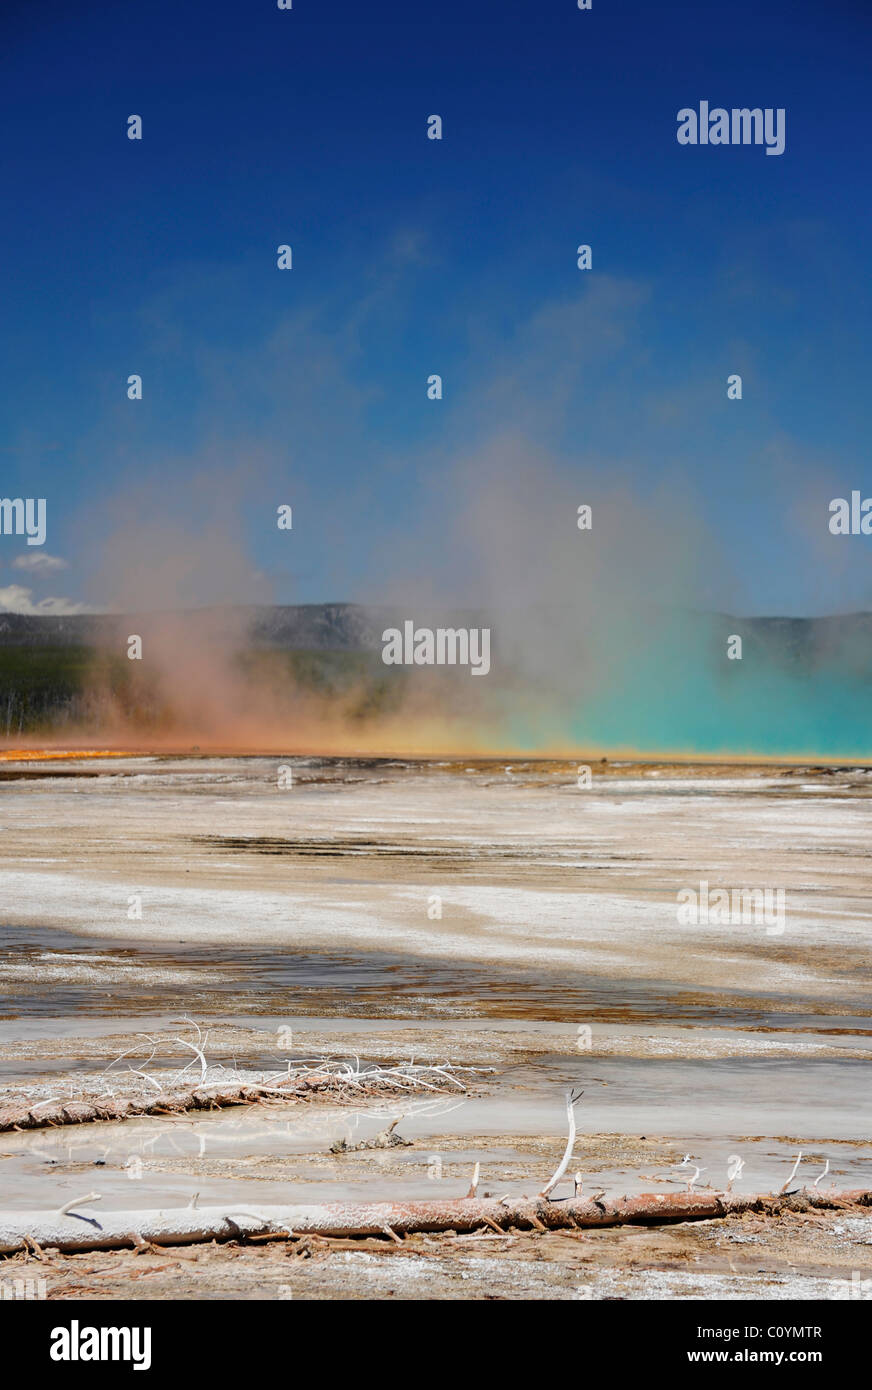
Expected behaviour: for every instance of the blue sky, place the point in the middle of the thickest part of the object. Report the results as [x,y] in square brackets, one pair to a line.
[411,257]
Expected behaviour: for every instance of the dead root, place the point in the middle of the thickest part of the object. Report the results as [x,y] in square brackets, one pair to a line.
[386,1139]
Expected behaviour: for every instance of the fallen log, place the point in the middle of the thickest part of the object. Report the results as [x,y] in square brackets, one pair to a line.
[374,1084]
[81,1230]
[45,1115]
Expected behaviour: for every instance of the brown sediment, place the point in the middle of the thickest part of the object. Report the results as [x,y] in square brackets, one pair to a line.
[27,755]
[617,762]
[342,874]
[794,1255]
[554,883]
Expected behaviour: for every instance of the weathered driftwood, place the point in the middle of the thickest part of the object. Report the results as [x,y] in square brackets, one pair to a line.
[48,1114]
[84,1230]
[218,1096]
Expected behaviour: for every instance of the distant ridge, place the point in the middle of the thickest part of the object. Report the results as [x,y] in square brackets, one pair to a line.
[358,627]
[305,626]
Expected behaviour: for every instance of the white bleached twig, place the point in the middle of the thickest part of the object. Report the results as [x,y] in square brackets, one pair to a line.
[695,1178]
[79,1202]
[571,1102]
[822,1175]
[473,1187]
[735,1165]
[792,1174]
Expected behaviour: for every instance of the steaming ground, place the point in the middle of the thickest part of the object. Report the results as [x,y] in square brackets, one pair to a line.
[314,908]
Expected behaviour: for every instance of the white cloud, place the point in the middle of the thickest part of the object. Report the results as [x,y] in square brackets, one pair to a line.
[16,599]
[39,563]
